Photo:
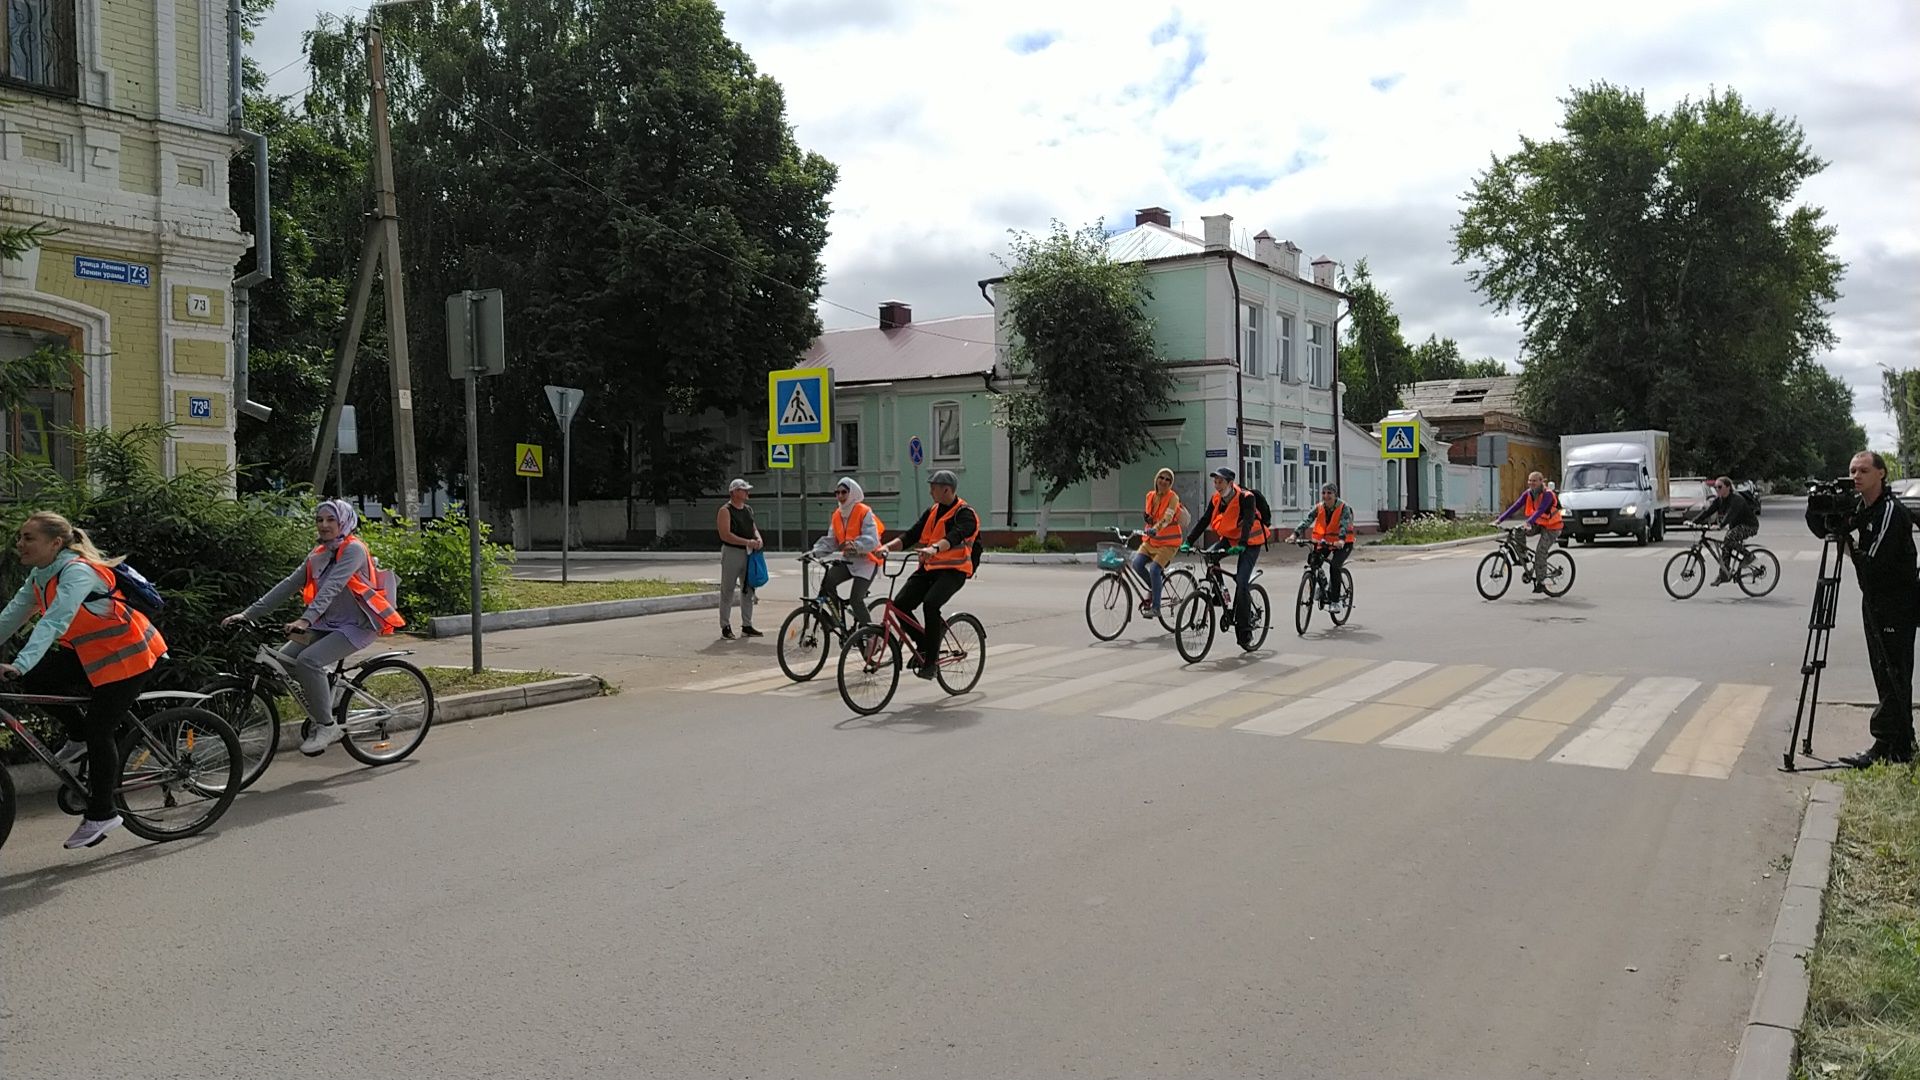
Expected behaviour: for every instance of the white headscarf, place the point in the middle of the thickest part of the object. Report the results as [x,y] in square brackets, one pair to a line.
[855,494]
[343,512]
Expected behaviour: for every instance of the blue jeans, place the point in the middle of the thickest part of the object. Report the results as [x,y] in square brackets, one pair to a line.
[1243,577]
[1144,565]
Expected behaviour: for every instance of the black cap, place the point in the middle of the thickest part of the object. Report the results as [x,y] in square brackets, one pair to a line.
[944,477]
[1223,473]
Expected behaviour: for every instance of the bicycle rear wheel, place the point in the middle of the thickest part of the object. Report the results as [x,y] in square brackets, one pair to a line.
[1259,617]
[255,721]
[1109,606]
[179,771]
[1760,573]
[1303,602]
[1174,590]
[803,642]
[1193,627]
[1684,575]
[1558,574]
[6,805]
[387,710]
[1343,610]
[869,670]
[963,654]
[1493,576]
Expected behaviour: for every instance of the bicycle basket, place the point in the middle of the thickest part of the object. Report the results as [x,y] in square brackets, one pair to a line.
[1112,556]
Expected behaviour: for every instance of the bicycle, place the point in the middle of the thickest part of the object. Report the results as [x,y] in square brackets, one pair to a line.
[1756,575]
[1194,625]
[809,629]
[1513,553]
[1120,591]
[1314,580]
[384,704]
[181,751]
[869,672]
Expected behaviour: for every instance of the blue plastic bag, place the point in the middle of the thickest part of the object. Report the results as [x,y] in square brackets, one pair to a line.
[756,569]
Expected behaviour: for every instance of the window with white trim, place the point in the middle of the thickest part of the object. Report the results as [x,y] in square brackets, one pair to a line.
[1250,339]
[946,431]
[1290,477]
[846,444]
[1319,372]
[34,431]
[1317,474]
[37,45]
[757,456]
[1283,348]
[1252,467]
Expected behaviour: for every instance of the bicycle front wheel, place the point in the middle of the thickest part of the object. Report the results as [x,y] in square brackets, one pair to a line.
[1343,610]
[963,654]
[869,670]
[1109,606]
[1494,575]
[255,719]
[1259,617]
[179,771]
[1303,602]
[1174,590]
[1760,573]
[1684,575]
[1559,573]
[387,710]
[802,644]
[1193,628]
[6,805]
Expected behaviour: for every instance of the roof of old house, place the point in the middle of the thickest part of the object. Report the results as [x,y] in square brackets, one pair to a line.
[928,349]
[1146,242]
[1459,399]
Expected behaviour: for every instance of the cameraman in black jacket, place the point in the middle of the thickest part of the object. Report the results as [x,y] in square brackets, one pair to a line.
[1884,560]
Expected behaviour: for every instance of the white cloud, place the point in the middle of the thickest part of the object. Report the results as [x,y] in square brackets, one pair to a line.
[953,122]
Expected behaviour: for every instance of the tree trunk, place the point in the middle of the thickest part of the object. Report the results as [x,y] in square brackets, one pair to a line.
[1040,524]
[656,436]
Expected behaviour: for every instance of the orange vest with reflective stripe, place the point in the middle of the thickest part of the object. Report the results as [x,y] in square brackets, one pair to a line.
[1549,520]
[112,647]
[1157,534]
[1226,519]
[363,586]
[1340,528]
[960,556]
[846,532]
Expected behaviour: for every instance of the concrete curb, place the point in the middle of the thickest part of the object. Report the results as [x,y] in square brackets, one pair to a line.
[1769,1044]
[34,779]
[692,555]
[456,625]
[1410,549]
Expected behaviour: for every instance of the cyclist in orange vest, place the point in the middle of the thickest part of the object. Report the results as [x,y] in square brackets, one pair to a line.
[345,612]
[1541,505]
[1233,518]
[854,532]
[944,537]
[1162,518]
[88,643]
[1329,523]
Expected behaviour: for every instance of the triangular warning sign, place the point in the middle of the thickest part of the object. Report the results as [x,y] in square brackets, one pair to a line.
[781,452]
[799,412]
[529,461]
[1399,440]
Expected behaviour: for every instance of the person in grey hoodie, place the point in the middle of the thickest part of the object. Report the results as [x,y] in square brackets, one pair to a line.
[336,622]
[855,533]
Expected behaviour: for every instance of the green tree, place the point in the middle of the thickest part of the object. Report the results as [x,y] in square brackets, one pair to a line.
[1439,358]
[1087,375]
[1663,274]
[1900,393]
[1375,362]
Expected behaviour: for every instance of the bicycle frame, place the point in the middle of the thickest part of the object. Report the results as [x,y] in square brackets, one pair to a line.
[1218,579]
[894,618]
[273,668]
[67,777]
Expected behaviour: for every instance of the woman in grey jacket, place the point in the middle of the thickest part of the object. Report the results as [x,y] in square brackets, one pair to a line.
[854,531]
[338,620]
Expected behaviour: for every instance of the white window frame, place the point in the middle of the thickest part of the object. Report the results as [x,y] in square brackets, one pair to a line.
[1250,361]
[1290,476]
[1283,347]
[756,455]
[840,460]
[959,443]
[1317,469]
[1253,473]
[1317,368]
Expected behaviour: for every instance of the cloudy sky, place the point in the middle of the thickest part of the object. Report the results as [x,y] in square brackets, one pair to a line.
[1350,128]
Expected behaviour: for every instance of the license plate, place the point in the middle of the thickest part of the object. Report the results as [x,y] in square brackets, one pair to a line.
[1593,521]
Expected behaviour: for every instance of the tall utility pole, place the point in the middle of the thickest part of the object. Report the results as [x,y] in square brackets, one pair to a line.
[381,247]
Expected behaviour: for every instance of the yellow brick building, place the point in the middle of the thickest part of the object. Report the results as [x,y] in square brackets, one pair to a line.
[116,129]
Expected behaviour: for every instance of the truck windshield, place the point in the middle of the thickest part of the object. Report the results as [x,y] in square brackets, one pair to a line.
[1604,476]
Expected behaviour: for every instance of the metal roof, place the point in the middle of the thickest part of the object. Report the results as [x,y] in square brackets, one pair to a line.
[1150,241]
[929,349]
[1460,399]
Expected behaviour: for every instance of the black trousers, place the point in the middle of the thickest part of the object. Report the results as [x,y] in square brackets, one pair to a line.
[932,588]
[98,722]
[1890,652]
[856,596]
[1336,558]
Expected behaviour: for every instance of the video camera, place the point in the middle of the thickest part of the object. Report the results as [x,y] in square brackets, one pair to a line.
[1833,505]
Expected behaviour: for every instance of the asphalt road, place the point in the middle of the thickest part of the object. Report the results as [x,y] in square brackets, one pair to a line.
[1520,850]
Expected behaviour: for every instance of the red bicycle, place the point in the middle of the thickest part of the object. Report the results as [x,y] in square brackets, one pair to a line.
[870,659]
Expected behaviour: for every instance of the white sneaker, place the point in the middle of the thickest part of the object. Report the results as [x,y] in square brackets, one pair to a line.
[324,735]
[92,832]
[71,752]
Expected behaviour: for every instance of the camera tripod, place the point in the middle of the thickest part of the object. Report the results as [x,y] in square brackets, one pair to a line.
[1826,603]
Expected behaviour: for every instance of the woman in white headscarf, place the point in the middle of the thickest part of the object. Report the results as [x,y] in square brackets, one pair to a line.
[854,531]
[345,612]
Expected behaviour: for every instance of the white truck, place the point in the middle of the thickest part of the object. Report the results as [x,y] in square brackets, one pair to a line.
[1614,483]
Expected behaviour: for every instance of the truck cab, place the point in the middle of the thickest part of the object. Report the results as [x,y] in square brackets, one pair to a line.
[1614,485]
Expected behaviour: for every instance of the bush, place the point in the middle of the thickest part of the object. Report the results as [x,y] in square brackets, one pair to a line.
[1031,544]
[1433,529]
[434,568]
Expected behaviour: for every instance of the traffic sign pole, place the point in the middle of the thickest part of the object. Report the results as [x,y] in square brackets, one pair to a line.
[474,372]
[565,401]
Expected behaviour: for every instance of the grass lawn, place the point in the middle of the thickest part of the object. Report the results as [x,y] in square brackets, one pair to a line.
[1434,530]
[530,594]
[1863,1014]
[459,680]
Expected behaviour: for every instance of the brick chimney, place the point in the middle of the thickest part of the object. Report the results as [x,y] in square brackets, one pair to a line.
[1267,250]
[1218,231]
[895,314]
[1323,272]
[1153,215]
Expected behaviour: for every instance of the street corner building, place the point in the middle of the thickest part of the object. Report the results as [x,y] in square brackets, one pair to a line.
[117,122]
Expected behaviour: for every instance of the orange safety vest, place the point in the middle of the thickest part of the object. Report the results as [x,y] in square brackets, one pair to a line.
[1549,521]
[958,557]
[846,532]
[111,647]
[1339,528]
[1226,519]
[1160,535]
[363,586]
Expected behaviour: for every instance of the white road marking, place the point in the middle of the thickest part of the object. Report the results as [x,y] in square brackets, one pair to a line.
[1193,693]
[1472,710]
[1618,736]
[1066,688]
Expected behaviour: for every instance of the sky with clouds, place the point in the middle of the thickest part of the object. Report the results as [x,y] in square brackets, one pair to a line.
[1352,129]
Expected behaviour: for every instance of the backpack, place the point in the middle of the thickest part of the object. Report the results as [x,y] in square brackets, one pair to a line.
[1260,508]
[1752,500]
[131,587]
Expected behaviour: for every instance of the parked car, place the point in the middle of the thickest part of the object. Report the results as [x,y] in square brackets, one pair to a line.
[1686,495]
[1908,492]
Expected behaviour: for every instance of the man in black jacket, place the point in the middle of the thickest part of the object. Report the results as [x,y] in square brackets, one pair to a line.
[1884,561]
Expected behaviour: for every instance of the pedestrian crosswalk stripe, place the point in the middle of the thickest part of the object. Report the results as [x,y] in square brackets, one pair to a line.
[1308,678]
[1367,723]
[1439,686]
[1617,737]
[726,681]
[1443,729]
[1205,689]
[1806,556]
[1376,682]
[1306,712]
[774,681]
[1066,688]
[1543,719]
[1644,553]
[1711,742]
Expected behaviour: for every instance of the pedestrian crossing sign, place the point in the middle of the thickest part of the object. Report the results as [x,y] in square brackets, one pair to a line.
[529,460]
[1400,440]
[800,405]
[779,455]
